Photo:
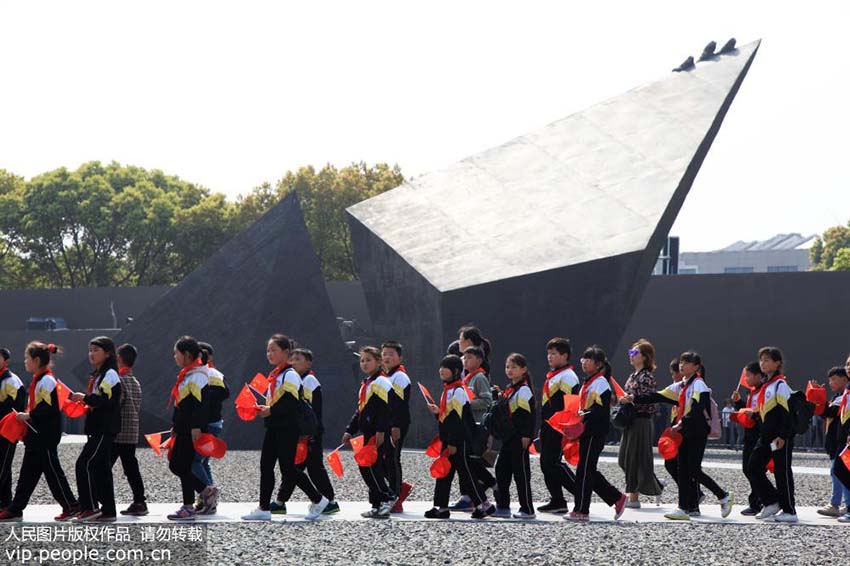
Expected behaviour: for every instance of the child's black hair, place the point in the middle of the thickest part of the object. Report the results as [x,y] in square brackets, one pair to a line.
[308,354]
[127,353]
[5,353]
[773,353]
[188,345]
[106,344]
[452,363]
[598,355]
[674,364]
[283,341]
[753,368]
[561,345]
[837,370]
[473,334]
[692,357]
[395,346]
[475,351]
[42,352]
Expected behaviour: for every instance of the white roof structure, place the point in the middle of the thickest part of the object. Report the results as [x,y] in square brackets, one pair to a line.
[593,185]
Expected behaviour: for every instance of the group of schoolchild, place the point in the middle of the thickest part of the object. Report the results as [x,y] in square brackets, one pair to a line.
[473,419]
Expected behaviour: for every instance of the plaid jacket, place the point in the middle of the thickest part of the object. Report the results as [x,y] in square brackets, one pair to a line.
[131,401]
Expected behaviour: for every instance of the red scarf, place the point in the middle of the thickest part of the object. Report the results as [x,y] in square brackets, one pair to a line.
[210,365]
[550,375]
[175,391]
[776,377]
[446,387]
[273,379]
[35,377]
[582,396]
[399,368]
[125,371]
[467,378]
[844,404]
[364,387]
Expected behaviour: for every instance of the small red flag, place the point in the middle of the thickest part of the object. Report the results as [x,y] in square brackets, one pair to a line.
[743,381]
[434,449]
[570,448]
[532,449]
[356,443]
[63,393]
[367,455]
[618,391]
[260,383]
[845,457]
[155,439]
[335,463]
[11,428]
[426,393]
[301,450]
[74,409]
[441,466]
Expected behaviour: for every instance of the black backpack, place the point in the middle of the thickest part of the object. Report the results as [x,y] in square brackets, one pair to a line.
[497,421]
[801,412]
[308,424]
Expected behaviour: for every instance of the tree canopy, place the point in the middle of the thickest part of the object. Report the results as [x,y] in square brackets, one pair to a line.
[831,252]
[116,225]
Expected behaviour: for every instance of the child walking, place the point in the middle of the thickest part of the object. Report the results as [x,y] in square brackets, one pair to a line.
[280,413]
[456,427]
[372,420]
[302,362]
[835,439]
[103,422]
[513,461]
[13,397]
[594,407]
[218,393]
[44,431]
[125,443]
[391,359]
[750,423]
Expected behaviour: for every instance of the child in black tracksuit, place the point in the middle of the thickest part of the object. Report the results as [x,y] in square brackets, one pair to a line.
[594,406]
[750,423]
[456,427]
[373,420]
[835,437]
[190,397]
[41,440]
[103,423]
[839,468]
[513,461]
[13,397]
[311,390]
[391,358]
[561,380]
[692,398]
[776,441]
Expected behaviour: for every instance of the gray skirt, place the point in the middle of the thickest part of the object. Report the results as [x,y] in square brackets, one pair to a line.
[635,458]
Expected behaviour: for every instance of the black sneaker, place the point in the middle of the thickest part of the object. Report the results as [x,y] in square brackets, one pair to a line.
[435,513]
[483,513]
[557,507]
[751,511]
[136,509]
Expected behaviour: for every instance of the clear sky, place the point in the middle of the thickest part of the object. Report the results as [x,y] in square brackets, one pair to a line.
[232,94]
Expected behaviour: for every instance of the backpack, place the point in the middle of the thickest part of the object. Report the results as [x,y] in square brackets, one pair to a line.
[497,421]
[801,412]
[715,430]
[308,424]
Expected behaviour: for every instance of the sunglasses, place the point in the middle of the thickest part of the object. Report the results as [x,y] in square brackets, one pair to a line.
[634,352]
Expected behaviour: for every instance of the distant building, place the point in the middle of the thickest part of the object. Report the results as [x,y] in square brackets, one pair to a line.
[781,253]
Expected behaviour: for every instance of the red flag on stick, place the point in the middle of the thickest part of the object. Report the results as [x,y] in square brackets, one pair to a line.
[63,393]
[260,383]
[434,448]
[246,404]
[335,463]
[11,428]
[618,391]
[426,394]
[155,440]
[356,443]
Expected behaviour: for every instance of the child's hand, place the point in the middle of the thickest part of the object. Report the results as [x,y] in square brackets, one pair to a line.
[346,438]
[735,396]
[265,410]
[77,397]
[780,443]
[395,434]
[23,417]
[196,432]
[379,439]
[433,408]
[626,399]
[525,442]
[452,449]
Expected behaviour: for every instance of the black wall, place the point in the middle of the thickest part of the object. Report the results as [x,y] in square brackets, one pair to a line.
[727,317]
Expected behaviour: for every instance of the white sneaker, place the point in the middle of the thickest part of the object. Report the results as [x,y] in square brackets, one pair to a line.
[678,515]
[384,510]
[258,515]
[844,518]
[768,512]
[786,518]
[632,505]
[524,516]
[315,509]
[726,504]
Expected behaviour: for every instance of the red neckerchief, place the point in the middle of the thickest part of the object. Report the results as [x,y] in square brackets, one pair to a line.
[125,371]
[175,391]
[844,404]
[364,386]
[513,388]
[582,396]
[35,377]
[776,377]
[273,378]
[550,375]
[446,387]
[210,365]
[399,368]
[467,378]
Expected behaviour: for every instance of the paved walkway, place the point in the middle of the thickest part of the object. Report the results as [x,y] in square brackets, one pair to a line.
[350,511]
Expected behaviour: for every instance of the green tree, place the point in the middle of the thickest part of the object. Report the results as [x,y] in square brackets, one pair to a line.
[829,253]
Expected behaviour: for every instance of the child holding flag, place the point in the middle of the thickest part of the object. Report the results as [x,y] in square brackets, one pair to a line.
[13,397]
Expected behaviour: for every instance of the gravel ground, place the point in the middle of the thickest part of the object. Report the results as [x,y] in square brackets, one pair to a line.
[491,542]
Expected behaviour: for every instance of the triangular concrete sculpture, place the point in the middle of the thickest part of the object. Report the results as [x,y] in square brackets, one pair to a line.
[265,280]
[552,234]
